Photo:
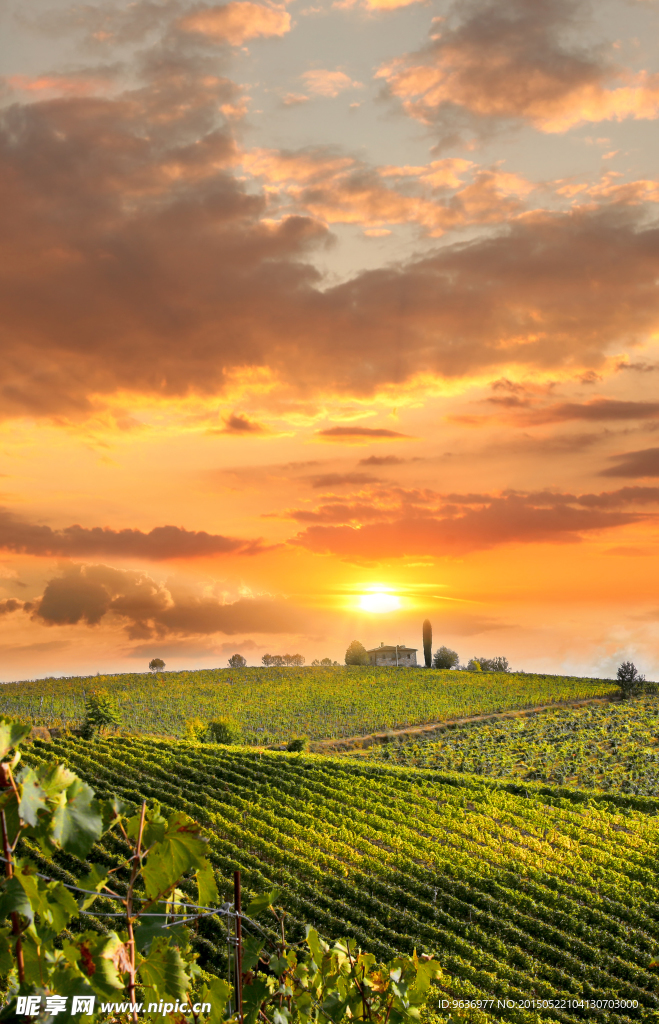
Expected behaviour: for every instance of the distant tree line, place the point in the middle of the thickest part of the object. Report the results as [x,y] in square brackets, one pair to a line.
[324,662]
[277,660]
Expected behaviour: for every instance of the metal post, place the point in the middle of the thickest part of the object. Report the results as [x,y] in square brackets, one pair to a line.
[239,945]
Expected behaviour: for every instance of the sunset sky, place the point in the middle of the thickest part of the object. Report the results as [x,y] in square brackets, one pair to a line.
[307,301]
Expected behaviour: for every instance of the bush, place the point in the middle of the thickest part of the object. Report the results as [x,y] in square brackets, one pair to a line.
[630,682]
[356,654]
[224,730]
[498,664]
[474,666]
[445,658]
[195,730]
[298,744]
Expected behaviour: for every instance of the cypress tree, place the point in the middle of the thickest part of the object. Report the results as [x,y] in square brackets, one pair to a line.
[427,643]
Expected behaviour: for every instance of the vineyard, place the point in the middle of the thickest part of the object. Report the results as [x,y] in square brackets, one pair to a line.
[522,894]
[273,704]
[611,747]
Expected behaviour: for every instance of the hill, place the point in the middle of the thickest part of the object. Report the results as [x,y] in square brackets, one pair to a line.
[273,704]
[523,894]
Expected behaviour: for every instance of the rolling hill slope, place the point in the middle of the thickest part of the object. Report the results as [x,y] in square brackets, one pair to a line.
[522,895]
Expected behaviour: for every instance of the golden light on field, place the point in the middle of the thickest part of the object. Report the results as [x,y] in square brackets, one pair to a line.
[379,601]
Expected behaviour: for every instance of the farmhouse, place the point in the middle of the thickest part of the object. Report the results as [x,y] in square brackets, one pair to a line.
[398,655]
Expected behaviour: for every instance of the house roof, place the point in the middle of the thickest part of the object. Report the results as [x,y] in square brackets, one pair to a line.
[390,647]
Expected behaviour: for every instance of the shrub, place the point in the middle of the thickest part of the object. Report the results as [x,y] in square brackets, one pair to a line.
[474,666]
[224,730]
[356,654]
[445,658]
[101,712]
[298,744]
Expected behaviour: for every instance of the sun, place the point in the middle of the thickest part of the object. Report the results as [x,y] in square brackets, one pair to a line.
[379,601]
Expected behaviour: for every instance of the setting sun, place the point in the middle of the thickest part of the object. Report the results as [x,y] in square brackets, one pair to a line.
[379,602]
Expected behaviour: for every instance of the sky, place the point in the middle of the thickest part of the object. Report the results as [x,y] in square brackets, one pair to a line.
[324,317]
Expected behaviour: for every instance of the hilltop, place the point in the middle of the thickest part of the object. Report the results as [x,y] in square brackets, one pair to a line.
[274,704]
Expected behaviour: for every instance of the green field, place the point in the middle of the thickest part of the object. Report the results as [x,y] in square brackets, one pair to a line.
[274,704]
[521,895]
[611,746]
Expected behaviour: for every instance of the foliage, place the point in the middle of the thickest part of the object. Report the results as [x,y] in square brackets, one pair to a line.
[224,730]
[323,662]
[474,666]
[278,660]
[330,982]
[498,664]
[101,712]
[356,654]
[47,808]
[427,645]
[195,730]
[297,744]
[630,682]
[273,704]
[524,890]
[445,658]
[156,664]
[237,661]
[612,747]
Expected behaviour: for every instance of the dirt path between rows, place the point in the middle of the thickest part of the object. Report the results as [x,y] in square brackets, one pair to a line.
[363,742]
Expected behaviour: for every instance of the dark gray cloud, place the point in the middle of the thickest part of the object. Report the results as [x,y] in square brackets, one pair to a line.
[342,479]
[492,64]
[365,433]
[238,424]
[644,462]
[11,605]
[383,460]
[160,543]
[91,594]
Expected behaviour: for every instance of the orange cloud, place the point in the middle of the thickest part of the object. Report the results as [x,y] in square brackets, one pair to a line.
[166,279]
[237,21]
[338,190]
[508,519]
[43,86]
[375,5]
[322,82]
[511,63]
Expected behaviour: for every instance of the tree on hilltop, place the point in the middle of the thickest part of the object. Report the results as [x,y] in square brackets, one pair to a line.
[237,661]
[446,658]
[156,664]
[427,643]
[356,654]
[630,682]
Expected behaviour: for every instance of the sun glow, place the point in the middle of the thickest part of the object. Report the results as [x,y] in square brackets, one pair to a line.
[379,601]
